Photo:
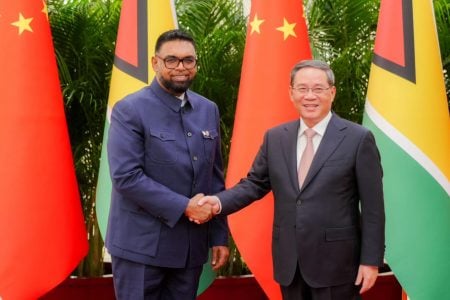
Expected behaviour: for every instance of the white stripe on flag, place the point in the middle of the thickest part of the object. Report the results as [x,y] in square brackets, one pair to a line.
[410,148]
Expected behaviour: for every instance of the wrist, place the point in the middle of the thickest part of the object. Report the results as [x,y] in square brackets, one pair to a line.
[219,210]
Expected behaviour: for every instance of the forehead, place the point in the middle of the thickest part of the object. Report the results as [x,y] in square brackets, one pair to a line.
[178,48]
[310,75]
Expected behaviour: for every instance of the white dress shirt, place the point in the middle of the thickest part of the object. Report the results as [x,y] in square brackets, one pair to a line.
[301,137]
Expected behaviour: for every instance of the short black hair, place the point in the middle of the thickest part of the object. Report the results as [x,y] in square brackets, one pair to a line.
[173,35]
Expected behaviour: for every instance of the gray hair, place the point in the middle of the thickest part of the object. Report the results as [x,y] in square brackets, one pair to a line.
[315,64]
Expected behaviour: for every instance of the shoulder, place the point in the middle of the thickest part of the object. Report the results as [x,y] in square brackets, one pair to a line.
[134,98]
[348,126]
[196,98]
[353,132]
[284,127]
[131,107]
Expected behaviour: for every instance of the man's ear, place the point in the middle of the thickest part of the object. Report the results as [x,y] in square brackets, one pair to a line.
[291,96]
[154,63]
[333,92]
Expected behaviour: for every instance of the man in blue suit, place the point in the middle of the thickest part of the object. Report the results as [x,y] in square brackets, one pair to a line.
[164,154]
[328,229]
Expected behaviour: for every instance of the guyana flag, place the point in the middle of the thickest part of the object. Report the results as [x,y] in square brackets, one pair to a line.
[407,110]
[42,232]
[277,39]
[141,22]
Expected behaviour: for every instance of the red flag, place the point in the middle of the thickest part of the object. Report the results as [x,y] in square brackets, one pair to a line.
[42,233]
[276,40]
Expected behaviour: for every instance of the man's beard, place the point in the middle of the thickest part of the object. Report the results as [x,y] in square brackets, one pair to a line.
[176,87]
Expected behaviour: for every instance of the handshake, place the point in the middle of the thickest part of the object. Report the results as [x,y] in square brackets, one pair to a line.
[201,208]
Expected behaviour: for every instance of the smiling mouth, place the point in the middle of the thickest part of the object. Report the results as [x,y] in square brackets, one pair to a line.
[310,105]
[180,77]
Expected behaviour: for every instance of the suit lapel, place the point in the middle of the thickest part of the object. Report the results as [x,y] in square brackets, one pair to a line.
[333,136]
[288,143]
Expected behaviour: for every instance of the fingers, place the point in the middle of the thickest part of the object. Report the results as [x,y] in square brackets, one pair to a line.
[197,197]
[206,199]
[367,284]
[215,257]
[220,256]
[202,208]
[196,213]
[367,276]
[201,214]
[358,277]
[213,201]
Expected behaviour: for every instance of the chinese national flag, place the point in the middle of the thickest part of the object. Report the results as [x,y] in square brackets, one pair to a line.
[276,40]
[42,233]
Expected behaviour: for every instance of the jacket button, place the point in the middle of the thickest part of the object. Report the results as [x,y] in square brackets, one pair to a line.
[195,158]
[189,134]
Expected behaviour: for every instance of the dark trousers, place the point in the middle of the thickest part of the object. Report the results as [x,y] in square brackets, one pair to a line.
[300,290]
[135,281]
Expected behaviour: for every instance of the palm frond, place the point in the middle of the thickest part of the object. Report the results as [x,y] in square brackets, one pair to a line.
[342,32]
[84,32]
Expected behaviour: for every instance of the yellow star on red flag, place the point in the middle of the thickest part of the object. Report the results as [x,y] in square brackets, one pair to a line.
[255,24]
[29,68]
[23,24]
[45,9]
[287,29]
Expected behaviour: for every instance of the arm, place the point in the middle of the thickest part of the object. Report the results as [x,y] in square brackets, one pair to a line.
[369,176]
[126,155]
[251,188]
[218,226]
[255,186]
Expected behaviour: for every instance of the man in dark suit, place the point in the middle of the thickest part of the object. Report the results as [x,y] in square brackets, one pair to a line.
[328,230]
[164,153]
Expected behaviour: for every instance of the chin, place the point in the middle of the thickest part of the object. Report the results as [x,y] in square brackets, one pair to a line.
[177,87]
[308,115]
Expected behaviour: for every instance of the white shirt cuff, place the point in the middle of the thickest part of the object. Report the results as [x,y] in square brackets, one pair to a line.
[220,204]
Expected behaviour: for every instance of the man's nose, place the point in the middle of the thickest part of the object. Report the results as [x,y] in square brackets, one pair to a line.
[180,65]
[310,94]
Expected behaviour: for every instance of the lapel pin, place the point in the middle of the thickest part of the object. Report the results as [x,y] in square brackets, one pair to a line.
[205,133]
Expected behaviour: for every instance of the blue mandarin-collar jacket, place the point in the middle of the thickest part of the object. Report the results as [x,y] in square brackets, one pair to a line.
[160,155]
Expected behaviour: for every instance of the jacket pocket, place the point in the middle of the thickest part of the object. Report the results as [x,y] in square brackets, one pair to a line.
[161,147]
[210,140]
[140,233]
[341,234]
[337,162]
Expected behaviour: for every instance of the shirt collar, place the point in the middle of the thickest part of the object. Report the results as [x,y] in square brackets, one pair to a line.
[319,128]
[168,99]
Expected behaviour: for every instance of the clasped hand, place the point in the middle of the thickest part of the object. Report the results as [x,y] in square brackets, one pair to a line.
[201,208]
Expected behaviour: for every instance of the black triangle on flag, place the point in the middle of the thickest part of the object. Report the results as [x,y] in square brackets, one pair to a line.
[396,57]
[132,50]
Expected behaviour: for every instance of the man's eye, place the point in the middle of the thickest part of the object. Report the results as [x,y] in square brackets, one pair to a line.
[171,60]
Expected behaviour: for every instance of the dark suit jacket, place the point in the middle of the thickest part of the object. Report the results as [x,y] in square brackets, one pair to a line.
[160,155]
[321,226]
